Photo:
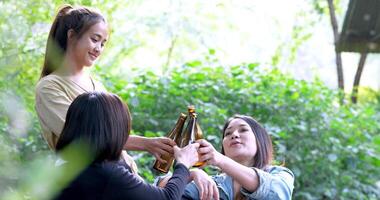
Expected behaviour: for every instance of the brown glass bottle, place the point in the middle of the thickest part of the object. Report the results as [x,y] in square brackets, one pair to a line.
[174,134]
[192,132]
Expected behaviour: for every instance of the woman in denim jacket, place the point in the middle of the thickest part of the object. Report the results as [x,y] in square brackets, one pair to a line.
[245,161]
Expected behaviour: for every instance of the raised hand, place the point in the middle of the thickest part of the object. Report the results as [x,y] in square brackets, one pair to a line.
[187,155]
[158,146]
[208,153]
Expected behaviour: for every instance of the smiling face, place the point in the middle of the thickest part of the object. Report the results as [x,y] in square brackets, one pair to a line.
[89,46]
[239,142]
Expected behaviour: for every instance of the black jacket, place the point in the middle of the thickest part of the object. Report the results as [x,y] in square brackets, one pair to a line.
[113,180]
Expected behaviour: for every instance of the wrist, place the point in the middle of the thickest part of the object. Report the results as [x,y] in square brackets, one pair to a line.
[193,172]
[219,162]
[186,164]
[145,143]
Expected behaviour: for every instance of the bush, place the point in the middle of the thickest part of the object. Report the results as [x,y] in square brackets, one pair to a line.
[333,150]
[330,148]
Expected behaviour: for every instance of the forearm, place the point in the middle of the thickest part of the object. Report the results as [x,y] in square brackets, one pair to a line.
[176,184]
[136,143]
[128,186]
[244,175]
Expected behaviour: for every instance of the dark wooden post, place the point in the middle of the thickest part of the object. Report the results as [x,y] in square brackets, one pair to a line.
[354,94]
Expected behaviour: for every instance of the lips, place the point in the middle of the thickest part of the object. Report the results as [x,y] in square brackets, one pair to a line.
[93,56]
[235,143]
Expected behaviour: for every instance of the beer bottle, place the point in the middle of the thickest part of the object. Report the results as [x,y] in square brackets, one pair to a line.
[192,132]
[174,134]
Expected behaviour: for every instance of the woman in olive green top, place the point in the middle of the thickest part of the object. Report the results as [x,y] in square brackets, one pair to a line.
[76,39]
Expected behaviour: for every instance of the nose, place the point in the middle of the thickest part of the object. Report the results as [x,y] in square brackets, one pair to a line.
[235,134]
[97,48]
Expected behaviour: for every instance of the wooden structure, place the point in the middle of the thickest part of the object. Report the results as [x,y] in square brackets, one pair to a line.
[361,27]
[360,33]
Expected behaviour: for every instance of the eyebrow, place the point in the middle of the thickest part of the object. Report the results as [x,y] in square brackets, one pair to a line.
[100,36]
[241,125]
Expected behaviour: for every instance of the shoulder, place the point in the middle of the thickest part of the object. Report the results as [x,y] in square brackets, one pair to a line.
[106,171]
[274,169]
[50,79]
[96,180]
[92,178]
[49,82]
[275,182]
[119,173]
[111,168]
[278,174]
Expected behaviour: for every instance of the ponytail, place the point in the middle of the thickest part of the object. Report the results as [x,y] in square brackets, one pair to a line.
[78,19]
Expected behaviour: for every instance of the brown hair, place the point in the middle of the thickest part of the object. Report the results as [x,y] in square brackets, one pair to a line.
[264,154]
[79,19]
[99,120]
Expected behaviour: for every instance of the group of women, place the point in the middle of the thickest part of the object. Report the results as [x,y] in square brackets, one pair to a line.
[73,108]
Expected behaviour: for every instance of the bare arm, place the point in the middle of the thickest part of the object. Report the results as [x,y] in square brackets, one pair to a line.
[244,175]
[156,146]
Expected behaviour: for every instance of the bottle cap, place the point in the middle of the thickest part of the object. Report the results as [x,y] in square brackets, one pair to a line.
[191,108]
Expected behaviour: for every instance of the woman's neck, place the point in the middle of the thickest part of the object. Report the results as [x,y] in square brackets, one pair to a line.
[70,68]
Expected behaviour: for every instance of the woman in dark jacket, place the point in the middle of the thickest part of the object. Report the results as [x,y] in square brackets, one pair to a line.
[99,124]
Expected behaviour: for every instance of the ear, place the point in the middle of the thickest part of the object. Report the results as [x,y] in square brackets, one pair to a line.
[70,35]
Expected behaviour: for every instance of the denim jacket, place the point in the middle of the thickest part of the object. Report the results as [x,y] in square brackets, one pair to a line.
[275,183]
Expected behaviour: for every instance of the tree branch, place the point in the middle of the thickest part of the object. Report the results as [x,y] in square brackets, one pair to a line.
[172,44]
[334,25]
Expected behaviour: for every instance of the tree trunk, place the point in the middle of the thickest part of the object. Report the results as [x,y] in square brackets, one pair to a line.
[169,56]
[339,67]
[354,95]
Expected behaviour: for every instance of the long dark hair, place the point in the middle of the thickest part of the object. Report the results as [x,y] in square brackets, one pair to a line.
[99,120]
[264,154]
[79,19]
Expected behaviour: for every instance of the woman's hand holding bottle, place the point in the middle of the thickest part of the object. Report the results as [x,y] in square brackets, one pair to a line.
[209,154]
[187,155]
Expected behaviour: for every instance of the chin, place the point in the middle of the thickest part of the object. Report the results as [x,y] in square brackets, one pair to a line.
[89,64]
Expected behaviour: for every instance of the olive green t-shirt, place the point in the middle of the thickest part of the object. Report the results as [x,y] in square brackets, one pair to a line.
[54,94]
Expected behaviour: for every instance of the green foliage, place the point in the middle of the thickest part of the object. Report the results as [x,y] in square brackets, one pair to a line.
[333,150]
[329,147]
[322,7]
[44,177]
